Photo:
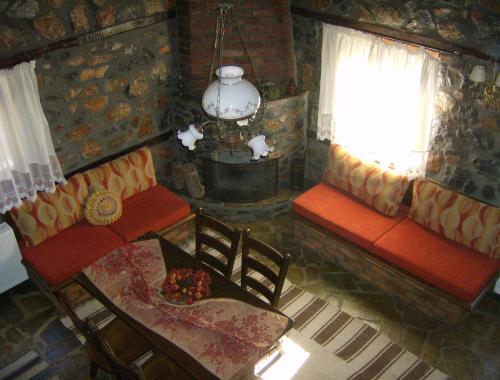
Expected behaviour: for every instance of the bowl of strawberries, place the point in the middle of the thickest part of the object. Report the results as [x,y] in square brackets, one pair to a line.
[183,286]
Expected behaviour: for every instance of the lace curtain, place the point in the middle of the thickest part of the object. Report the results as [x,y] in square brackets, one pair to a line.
[28,162]
[377,98]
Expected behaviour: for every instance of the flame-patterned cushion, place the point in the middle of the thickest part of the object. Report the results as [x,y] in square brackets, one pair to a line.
[124,176]
[459,218]
[51,213]
[379,188]
[103,208]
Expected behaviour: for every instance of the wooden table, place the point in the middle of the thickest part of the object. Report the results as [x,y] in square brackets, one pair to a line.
[175,257]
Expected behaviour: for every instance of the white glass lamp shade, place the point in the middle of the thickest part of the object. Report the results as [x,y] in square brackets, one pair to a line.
[189,137]
[478,74]
[259,147]
[239,99]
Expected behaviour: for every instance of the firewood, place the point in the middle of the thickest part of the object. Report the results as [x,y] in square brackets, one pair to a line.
[193,182]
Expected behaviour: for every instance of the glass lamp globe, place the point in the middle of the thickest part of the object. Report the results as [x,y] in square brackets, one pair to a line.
[239,99]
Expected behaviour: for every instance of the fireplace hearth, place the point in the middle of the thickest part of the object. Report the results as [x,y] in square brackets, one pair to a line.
[232,176]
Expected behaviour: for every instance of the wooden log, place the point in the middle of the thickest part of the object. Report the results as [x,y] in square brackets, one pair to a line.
[193,182]
[178,180]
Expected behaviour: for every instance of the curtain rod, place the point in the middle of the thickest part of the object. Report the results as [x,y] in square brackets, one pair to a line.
[393,34]
[84,39]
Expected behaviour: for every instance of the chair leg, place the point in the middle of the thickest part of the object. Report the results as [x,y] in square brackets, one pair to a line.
[93,370]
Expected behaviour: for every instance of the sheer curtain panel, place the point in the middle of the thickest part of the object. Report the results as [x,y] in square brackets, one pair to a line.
[377,98]
[28,162]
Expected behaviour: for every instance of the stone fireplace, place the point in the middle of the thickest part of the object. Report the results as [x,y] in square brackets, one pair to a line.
[232,178]
[284,124]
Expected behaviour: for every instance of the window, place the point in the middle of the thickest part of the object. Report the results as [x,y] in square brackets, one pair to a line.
[376,98]
[28,162]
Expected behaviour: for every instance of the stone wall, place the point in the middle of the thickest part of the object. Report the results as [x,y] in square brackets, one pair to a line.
[465,154]
[106,96]
[28,24]
[465,149]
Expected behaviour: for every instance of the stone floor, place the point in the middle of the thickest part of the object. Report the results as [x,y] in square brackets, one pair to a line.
[469,351]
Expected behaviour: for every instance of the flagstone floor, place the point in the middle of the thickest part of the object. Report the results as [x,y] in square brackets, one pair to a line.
[469,351]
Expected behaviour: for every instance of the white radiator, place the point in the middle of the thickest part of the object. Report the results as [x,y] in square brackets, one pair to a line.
[12,272]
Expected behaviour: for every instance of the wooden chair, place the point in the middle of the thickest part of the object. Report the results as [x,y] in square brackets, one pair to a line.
[119,350]
[274,274]
[213,235]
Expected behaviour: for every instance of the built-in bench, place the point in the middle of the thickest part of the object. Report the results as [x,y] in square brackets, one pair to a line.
[440,255]
[57,238]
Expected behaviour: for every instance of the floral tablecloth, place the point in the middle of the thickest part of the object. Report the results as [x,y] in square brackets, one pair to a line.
[222,334]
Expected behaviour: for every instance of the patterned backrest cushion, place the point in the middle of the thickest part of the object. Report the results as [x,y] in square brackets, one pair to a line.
[379,188]
[124,176]
[459,218]
[51,213]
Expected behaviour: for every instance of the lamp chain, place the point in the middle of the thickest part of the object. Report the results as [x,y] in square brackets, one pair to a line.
[219,49]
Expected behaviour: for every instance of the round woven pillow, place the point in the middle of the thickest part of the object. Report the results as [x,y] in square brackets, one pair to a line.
[103,208]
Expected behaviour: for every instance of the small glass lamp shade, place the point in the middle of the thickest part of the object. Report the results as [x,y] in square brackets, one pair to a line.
[478,74]
[189,137]
[239,99]
[259,147]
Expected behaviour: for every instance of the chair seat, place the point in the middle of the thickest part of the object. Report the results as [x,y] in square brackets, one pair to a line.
[344,215]
[444,263]
[118,335]
[150,210]
[60,257]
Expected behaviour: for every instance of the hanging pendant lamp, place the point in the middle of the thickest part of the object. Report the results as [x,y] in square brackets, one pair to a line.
[229,97]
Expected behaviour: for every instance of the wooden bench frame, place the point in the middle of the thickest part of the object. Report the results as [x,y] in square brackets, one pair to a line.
[395,281]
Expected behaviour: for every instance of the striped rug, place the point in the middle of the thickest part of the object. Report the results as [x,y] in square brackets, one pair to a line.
[28,366]
[359,351]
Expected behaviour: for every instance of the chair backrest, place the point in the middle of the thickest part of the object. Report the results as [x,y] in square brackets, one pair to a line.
[98,348]
[123,370]
[214,237]
[273,275]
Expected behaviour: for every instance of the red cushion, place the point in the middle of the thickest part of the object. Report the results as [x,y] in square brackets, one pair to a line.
[150,210]
[60,257]
[340,213]
[457,269]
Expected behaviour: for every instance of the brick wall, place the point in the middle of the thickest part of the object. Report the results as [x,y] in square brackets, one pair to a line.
[264,25]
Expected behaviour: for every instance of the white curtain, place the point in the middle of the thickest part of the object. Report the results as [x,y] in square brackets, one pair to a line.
[377,98]
[28,162]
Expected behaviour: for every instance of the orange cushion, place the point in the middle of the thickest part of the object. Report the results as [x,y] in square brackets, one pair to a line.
[460,218]
[51,212]
[124,176]
[344,215]
[444,263]
[62,256]
[368,181]
[150,210]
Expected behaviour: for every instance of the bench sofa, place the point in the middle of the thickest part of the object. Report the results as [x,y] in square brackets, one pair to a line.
[56,239]
[440,255]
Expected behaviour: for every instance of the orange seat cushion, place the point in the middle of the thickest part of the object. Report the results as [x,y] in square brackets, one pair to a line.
[62,256]
[457,269]
[346,216]
[150,210]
